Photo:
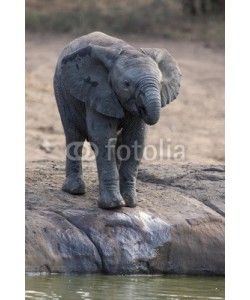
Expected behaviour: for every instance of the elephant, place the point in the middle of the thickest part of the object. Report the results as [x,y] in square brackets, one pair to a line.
[107,92]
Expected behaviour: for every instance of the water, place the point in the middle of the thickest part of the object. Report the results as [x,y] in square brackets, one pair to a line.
[95,287]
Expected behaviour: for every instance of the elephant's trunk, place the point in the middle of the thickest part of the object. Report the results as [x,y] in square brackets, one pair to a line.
[149,102]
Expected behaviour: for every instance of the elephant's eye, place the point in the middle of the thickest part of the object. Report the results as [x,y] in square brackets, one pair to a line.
[126,83]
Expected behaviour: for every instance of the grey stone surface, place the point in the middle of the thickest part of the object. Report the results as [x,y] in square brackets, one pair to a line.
[178,226]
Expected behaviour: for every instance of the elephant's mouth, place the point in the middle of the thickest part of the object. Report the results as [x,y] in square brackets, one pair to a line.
[136,107]
[138,110]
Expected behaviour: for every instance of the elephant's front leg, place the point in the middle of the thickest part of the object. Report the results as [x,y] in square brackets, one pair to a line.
[102,133]
[130,153]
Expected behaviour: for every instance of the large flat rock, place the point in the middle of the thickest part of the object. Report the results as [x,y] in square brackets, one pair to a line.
[178,226]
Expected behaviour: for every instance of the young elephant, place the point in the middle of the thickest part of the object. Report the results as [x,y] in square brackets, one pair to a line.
[104,86]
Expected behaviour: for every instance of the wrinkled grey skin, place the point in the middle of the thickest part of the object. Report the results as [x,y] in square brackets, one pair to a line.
[103,87]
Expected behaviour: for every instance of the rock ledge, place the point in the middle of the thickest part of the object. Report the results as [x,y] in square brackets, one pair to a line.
[177,228]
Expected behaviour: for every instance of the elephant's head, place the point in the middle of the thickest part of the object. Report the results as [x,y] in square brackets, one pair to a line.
[111,79]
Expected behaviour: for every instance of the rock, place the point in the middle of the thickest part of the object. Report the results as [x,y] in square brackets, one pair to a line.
[54,244]
[46,146]
[177,228]
[127,241]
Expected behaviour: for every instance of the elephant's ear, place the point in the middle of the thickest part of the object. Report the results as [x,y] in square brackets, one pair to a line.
[170,73]
[85,75]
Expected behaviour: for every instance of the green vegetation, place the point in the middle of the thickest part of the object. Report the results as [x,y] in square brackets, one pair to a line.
[168,18]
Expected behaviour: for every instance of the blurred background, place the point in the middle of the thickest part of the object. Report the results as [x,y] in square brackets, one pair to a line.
[168,18]
[192,127]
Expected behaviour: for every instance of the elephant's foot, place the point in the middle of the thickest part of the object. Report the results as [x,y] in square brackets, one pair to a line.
[110,200]
[129,196]
[74,185]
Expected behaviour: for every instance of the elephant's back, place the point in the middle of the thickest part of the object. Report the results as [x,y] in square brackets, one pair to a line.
[94,38]
[102,39]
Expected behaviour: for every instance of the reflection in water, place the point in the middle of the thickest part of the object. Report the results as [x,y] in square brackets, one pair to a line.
[101,287]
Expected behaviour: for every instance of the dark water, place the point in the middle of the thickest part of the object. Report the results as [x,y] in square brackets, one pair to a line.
[124,287]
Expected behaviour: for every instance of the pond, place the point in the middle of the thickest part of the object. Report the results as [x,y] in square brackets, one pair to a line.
[101,287]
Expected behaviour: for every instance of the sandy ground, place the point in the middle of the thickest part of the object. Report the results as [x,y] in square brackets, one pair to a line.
[190,129]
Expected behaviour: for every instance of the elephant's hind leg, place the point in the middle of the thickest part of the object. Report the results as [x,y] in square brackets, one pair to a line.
[74,183]
[69,110]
